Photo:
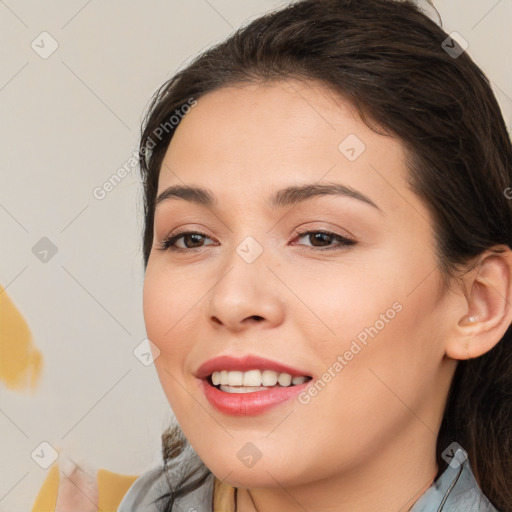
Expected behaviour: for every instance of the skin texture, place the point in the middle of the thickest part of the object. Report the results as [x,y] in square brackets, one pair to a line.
[369,435]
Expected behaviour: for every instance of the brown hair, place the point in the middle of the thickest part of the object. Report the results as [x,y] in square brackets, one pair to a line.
[388,59]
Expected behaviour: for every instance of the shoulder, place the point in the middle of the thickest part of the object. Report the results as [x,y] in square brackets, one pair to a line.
[185,469]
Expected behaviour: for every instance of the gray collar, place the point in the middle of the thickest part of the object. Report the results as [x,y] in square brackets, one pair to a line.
[456,490]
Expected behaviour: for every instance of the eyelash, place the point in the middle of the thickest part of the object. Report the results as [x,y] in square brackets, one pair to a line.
[168,243]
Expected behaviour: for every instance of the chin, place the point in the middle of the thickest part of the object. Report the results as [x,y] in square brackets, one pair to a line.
[267,476]
[268,471]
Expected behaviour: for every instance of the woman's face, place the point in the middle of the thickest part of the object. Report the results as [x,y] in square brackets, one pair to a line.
[366,318]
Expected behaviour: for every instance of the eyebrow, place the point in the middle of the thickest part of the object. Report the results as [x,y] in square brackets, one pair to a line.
[285,197]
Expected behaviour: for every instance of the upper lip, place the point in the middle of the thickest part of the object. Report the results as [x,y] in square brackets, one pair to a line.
[245,363]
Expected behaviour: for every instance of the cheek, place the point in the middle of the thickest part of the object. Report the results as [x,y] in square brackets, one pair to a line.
[337,302]
[384,315]
[156,308]
[168,305]
[165,317]
[391,355]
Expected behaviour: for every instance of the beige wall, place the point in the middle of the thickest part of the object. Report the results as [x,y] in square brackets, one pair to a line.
[69,121]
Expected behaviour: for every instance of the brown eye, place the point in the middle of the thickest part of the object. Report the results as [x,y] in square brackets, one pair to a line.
[191,240]
[319,238]
[323,238]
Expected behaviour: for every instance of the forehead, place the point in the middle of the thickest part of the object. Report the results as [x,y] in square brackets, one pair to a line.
[257,118]
[254,138]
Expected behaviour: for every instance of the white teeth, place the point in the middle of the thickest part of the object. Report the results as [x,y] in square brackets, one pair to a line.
[239,389]
[269,378]
[284,379]
[236,378]
[250,378]
[254,379]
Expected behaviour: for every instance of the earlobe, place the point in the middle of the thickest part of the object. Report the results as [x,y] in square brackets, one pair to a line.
[488,307]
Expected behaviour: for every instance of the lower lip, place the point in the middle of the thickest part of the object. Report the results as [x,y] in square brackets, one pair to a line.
[250,404]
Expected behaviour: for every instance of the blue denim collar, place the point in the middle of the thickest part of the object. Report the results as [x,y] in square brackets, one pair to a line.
[456,490]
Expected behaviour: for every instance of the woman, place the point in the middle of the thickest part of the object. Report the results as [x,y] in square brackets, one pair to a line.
[328,269]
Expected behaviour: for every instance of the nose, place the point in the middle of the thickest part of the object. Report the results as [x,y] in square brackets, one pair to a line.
[245,295]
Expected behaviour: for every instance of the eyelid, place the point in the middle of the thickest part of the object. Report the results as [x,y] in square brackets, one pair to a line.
[312,227]
[343,241]
[165,243]
[169,242]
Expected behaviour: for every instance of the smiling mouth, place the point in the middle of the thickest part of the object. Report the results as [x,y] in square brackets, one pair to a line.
[253,380]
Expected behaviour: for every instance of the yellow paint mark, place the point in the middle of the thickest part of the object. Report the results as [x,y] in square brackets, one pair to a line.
[46,500]
[111,489]
[20,361]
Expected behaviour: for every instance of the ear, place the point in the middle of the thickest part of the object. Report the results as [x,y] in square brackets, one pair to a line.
[487,306]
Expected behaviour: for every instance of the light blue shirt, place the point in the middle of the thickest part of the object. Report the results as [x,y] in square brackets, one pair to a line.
[456,489]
